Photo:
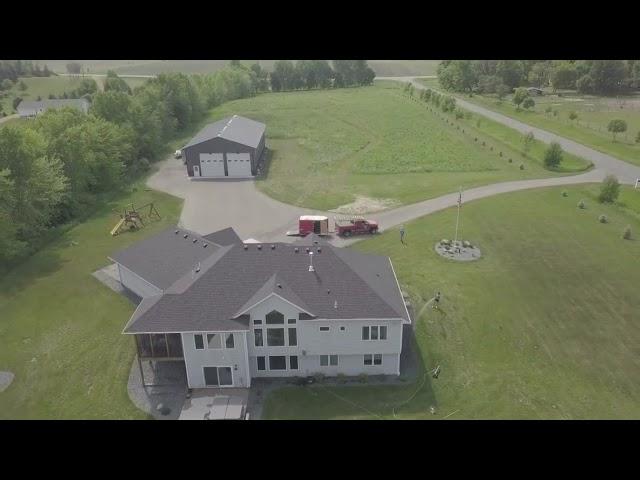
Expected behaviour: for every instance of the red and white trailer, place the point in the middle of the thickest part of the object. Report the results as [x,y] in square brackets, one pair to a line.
[318,224]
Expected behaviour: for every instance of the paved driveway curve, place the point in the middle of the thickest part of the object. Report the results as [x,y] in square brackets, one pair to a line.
[215,204]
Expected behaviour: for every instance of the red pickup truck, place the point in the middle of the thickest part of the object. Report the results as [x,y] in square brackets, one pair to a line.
[355,226]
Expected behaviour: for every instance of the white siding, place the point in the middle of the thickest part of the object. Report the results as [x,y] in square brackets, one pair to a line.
[136,284]
[224,357]
[312,343]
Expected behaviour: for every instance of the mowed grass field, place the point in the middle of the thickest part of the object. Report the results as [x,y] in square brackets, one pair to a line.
[154,67]
[328,147]
[60,327]
[544,326]
[590,128]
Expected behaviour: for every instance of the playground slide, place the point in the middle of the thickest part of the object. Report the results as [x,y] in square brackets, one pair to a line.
[117,227]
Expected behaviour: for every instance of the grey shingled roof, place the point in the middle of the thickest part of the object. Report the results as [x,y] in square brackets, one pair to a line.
[274,285]
[227,236]
[53,103]
[234,277]
[236,129]
[163,258]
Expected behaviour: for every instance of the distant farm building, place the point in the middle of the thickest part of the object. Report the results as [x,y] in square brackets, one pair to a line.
[535,91]
[231,147]
[31,109]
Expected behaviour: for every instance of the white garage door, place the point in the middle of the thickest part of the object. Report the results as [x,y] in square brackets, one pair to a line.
[211,165]
[239,164]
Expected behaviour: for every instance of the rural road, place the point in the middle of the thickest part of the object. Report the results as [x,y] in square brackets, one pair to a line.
[216,204]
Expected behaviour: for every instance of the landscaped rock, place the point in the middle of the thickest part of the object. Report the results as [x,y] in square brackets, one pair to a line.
[5,380]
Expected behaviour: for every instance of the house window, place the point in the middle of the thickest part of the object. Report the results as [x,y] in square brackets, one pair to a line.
[365,333]
[383,332]
[198,341]
[326,360]
[293,362]
[274,318]
[214,340]
[374,333]
[278,362]
[275,337]
[257,322]
[228,341]
[261,363]
[293,337]
[258,337]
[291,320]
[324,329]
[373,359]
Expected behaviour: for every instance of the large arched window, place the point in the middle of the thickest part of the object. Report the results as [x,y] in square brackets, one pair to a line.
[274,318]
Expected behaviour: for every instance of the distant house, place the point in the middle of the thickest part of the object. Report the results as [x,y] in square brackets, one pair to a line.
[231,147]
[30,109]
[535,91]
[231,311]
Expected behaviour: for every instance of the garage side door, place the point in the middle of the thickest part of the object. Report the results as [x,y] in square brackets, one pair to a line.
[239,164]
[211,165]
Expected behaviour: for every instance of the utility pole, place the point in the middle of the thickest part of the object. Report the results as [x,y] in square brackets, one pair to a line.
[458,218]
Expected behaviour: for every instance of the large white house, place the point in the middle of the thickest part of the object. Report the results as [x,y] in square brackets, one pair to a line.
[234,311]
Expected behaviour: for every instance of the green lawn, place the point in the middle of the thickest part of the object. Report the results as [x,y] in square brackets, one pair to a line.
[330,146]
[60,327]
[543,326]
[590,128]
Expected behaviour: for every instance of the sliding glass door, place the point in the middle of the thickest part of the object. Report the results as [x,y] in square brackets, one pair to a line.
[218,376]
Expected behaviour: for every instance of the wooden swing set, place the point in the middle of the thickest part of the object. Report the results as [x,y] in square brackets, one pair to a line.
[131,218]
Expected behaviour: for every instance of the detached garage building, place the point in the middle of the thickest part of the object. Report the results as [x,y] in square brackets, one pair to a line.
[231,147]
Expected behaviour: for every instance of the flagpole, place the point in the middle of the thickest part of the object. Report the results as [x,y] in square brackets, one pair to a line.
[458,218]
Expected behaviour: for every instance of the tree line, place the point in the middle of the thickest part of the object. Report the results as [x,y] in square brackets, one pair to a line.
[55,168]
[12,70]
[312,74]
[602,77]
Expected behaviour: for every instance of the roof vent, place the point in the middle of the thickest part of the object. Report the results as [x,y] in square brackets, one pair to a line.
[185,236]
[307,249]
[259,247]
[315,242]
[246,247]
[198,267]
[177,232]
[335,304]
[205,245]
[195,240]
[311,269]
[273,247]
[319,250]
[328,291]
[279,286]
[296,249]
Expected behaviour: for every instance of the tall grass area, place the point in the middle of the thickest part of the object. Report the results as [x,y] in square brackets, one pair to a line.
[327,147]
[61,328]
[543,326]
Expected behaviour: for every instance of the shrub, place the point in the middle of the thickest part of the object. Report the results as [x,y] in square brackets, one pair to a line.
[638,137]
[342,378]
[318,377]
[510,160]
[609,190]
[363,378]
[500,154]
[626,234]
[553,155]
[521,166]
[602,219]
[565,193]
[581,205]
[573,115]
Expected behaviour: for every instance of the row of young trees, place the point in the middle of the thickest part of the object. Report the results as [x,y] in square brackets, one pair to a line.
[603,77]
